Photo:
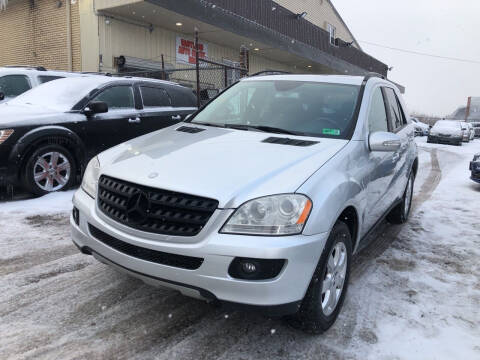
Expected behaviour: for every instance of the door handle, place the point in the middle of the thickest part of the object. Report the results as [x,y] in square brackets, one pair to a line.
[176,117]
[134,121]
[395,157]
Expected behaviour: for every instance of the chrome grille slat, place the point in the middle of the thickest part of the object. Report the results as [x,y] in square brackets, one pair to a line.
[166,212]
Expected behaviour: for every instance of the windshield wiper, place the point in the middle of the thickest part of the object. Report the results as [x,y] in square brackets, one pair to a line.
[263,128]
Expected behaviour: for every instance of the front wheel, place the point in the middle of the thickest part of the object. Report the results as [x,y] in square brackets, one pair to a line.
[49,168]
[400,213]
[328,287]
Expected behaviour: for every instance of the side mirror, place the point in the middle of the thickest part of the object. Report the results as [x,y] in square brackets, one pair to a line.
[95,107]
[2,96]
[384,141]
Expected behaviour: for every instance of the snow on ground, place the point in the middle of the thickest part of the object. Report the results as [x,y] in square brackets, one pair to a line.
[414,291]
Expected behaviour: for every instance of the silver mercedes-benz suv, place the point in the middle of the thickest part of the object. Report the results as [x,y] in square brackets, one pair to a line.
[260,198]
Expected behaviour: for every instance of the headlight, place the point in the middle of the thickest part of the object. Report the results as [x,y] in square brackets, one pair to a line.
[5,134]
[271,215]
[90,178]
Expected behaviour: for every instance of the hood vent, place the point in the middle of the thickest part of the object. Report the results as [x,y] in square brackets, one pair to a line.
[189,129]
[288,141]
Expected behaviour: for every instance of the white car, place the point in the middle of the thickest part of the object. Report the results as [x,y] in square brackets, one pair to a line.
[15,80]
[447,132]
[466,131]
[472,130]
[421,129]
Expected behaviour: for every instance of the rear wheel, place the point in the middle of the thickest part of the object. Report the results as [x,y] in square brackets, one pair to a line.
[400,213]
[328,286]
[50,168]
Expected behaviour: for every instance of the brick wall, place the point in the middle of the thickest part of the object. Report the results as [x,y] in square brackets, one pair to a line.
[36,35]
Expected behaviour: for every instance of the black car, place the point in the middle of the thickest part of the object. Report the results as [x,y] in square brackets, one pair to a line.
[49,133]
[475,168]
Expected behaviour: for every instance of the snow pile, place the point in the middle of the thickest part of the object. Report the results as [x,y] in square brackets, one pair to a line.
[58,202]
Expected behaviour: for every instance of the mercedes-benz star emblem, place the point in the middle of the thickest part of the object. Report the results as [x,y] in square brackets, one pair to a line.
[138,207]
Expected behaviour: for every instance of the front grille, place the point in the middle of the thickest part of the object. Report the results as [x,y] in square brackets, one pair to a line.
[159,257]
[153,210]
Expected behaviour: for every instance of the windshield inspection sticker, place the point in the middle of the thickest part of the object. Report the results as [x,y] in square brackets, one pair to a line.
[335,132]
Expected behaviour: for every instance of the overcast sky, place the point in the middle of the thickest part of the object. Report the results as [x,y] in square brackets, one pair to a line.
[448,28]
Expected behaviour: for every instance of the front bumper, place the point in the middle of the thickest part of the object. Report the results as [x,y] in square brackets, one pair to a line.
[211,280]
[444,140]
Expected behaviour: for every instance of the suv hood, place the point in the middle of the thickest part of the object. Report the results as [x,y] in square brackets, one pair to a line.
[20,115]
[231,166]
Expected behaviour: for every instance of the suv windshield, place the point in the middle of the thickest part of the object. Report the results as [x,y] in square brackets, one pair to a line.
[290,107]
[59,95]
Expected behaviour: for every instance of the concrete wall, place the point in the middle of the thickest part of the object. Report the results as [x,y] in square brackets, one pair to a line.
[319,12]
[38,36]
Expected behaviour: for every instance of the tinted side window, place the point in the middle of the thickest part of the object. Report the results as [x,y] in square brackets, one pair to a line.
[14,85]
[154,97]
[117,97]
[377,116]
[46,78]
[182,97]
[395,115]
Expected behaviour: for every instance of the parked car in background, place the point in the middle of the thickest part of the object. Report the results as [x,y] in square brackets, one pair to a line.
[471,130]
[15,80]
[421,129]
[447,132]
[466,131]
[48,133]
[475,168]
[260,199]
[476,128]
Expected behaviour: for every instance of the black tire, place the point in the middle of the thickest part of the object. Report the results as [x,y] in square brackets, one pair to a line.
[27,174]
[311,317]
[400,213]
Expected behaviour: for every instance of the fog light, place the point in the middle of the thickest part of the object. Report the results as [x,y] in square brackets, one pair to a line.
[249,267]
[255,269]
[76,216]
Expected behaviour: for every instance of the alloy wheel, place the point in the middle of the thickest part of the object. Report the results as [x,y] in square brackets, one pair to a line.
[334,279]
[51,171]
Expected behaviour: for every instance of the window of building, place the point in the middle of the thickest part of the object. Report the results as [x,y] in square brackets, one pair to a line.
[46,78]
[154,97]
[14,85]
[333,33]
[117,97]
[377,116]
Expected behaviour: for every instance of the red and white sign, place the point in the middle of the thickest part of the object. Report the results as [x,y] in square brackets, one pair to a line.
[186,51]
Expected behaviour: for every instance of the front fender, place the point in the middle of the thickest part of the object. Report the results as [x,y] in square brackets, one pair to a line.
[38,135]
[331,198]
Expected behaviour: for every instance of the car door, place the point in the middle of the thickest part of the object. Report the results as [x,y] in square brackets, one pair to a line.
[113,127]
[381,164]
[398,125]
[161,107]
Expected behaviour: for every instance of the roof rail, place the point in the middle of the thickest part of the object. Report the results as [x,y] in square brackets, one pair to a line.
[38,68]
[270,72]
[374,74]
[95,73]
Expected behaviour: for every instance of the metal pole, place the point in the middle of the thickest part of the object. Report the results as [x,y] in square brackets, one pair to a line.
[197,68]
[467,110]
[163,69]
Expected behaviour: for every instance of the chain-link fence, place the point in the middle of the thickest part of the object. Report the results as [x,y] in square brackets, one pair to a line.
[206,77]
